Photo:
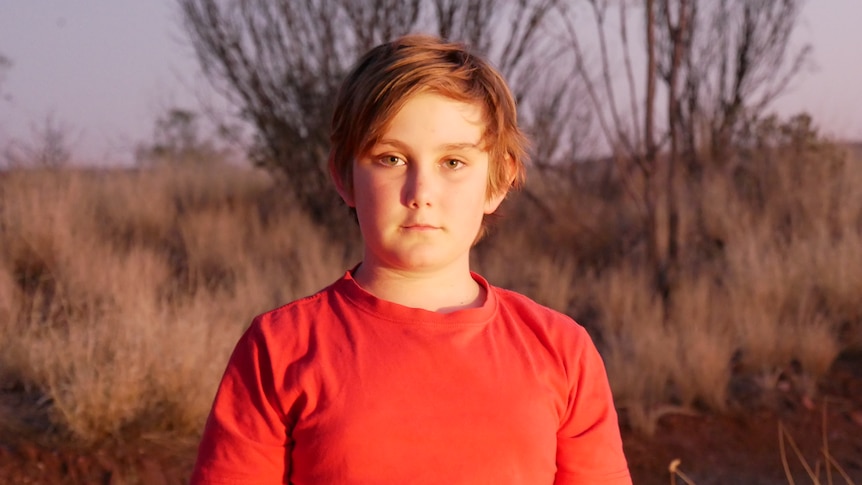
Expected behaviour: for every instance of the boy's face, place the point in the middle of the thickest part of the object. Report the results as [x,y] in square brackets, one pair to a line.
[420,192]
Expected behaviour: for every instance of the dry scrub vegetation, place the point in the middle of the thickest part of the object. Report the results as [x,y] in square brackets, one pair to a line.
[123,292]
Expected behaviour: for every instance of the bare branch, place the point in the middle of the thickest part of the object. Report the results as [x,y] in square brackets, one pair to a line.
[630,78]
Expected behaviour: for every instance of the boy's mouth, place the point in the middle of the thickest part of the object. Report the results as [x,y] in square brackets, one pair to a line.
[419,227]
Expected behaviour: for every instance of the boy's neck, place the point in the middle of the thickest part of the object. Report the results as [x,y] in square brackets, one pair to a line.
[441,291]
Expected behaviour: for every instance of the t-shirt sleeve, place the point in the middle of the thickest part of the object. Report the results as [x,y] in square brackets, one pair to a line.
[245,439]
[589,446]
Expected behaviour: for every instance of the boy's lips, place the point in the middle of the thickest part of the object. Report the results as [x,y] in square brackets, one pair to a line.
[418,226]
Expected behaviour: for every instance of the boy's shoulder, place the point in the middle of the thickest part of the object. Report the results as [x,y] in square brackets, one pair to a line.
[537,315]
[521,302]
[552,331]
[300,313]
[314,302]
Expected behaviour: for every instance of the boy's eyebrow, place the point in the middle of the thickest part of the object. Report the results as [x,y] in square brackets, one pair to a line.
[448,146]
[461,146]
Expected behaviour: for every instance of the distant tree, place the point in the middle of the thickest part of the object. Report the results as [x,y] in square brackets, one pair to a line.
[738,66]
[714,65]
[280,62]
[48,147]
[177,140]
[5,64]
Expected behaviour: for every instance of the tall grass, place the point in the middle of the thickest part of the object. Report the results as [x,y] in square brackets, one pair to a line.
[123,292]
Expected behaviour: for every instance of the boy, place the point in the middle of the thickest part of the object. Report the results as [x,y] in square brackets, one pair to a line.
[410,368]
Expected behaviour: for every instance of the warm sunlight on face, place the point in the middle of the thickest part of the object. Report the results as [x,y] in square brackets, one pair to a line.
[420,192]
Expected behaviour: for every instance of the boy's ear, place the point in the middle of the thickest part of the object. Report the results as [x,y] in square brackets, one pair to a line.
[345,193]
[494,200]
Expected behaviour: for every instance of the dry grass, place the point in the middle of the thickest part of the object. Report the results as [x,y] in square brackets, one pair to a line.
[125,292]
[122,293]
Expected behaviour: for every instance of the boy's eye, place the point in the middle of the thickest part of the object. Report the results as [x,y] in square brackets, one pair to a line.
[391,160]
[453,163]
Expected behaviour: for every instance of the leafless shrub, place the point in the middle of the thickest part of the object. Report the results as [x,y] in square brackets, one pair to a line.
[49,146]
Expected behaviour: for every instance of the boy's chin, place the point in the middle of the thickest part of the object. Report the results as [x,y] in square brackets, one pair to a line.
[421,261]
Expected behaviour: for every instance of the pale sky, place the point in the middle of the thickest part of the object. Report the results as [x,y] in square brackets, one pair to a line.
[105,69]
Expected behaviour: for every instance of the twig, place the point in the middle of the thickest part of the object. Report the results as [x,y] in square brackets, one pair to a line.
[783,454]
[826,446]
[828,456]
[784,433]
[674,470]
[841,471]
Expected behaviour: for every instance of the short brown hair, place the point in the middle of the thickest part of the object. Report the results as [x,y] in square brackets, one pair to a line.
[384,79]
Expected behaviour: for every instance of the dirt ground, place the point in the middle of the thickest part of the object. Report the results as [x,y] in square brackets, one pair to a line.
[741,448]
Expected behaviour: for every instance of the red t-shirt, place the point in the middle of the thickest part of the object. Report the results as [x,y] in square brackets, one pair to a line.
[344,388]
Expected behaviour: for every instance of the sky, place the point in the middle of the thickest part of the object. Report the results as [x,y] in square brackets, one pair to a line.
[104,70]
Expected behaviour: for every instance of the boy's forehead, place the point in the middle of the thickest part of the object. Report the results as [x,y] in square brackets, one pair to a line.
[384,120]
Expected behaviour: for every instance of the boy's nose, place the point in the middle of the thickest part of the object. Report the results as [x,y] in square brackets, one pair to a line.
[419,187]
